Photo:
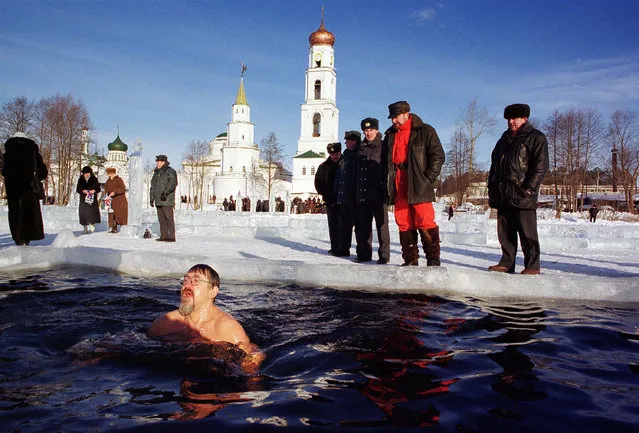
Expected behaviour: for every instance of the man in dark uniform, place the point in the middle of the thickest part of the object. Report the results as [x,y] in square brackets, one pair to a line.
[162,193]
[345,191]
[325,185]
[415,159]
[371,194]
[518,165]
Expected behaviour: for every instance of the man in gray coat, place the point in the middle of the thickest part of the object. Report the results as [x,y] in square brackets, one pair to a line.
[162,195]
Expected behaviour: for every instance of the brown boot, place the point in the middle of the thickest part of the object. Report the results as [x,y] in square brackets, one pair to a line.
[114,229]
[410,252]
[430,242]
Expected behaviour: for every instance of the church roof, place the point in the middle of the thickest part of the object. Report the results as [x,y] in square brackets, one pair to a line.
[241,96]
[221,135]
[118,145]
[322,36]
[309,154]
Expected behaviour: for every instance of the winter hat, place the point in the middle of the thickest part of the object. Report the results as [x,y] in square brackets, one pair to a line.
[86,169]
[370,123]
[161,158]
[353,135]
[516,110]
[397,108]
[334,147]
[110,170]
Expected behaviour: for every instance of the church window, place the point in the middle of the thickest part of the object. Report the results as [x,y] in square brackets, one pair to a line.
[244,169]
[318,89]
[313,171]
[304,171]
[231,169]
[317,123]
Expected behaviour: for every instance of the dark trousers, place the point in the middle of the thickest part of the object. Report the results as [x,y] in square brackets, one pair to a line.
[344,228]
[25,217]
[167,223]
[364,231]
[523,222]
[332,214]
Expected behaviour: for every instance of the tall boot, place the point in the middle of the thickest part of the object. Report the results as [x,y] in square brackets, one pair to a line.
[114,229]
[410,252]
[430,242]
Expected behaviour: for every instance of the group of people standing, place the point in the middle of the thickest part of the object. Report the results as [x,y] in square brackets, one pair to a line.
[114,198]
[397,169]
[401,169]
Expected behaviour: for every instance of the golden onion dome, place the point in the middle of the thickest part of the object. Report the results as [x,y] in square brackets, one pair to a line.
[322,36]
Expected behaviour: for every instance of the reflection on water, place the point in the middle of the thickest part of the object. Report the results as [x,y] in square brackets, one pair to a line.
[74,353]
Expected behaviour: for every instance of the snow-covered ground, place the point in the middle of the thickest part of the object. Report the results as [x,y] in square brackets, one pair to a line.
[580,260]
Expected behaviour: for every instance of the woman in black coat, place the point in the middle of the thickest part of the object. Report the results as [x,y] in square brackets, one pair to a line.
[89,208]
[21,158]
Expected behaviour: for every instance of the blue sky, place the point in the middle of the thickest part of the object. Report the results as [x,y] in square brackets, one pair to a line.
[167,72]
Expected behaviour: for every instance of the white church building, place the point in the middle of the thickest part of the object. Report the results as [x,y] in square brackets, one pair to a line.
[319,113]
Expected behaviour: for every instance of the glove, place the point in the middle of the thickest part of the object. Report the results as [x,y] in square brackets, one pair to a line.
[151,203]
[163,196]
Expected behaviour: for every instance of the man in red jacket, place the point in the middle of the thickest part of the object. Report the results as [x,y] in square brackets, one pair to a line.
[415,159]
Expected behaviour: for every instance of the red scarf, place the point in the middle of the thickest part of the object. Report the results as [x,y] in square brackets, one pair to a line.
[400,147]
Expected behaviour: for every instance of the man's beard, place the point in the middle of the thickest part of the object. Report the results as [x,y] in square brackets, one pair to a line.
[186,308]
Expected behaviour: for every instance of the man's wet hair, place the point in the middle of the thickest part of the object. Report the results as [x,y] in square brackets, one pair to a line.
[208,272]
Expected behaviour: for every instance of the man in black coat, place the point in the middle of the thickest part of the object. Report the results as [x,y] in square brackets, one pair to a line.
[518,165]
[325,186]
[415,159]
[371,194]
[162,193]
[21,160]
[345,192]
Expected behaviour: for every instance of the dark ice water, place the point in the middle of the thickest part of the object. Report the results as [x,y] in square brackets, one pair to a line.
[74,357]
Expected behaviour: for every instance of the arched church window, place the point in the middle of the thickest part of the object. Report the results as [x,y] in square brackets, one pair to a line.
[304,171]
[231,169]
[244,169]
[242,136]
[313,171]
[318,89]
[317,123]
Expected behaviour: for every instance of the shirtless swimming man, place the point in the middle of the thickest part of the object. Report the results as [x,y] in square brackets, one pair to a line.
[199,319]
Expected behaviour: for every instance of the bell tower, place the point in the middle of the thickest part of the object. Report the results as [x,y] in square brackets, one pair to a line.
[319,113]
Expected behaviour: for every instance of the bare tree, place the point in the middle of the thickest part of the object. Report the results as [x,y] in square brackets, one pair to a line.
[622,137]
[553,127]
[198,167]
[271,154]
[16,115]
[474,121]
[456,166]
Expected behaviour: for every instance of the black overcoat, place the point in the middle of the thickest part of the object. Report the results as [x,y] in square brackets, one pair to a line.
[89,213]
[25,217]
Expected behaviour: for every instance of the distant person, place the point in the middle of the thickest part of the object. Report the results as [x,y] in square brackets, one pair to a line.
[345,192]
[22,160]
[451,212]
[89,207]
[415,159]
[518,165]
[325,186]
[163,184]
[116,190]
[593,211]
[198,319]
[371,195]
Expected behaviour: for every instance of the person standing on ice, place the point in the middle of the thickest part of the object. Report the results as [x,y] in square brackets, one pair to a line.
[116,191]
[325,186]
[89,207]
[593,211]
[163,184]
[21,162]
[415,159]
[518,165]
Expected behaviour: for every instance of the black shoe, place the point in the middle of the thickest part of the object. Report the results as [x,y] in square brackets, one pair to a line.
[362,260]
[382,261]
[342,254]
[169,240]
[160,239]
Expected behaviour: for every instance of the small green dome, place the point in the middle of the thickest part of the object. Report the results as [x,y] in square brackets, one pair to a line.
[221,135]
[118,145]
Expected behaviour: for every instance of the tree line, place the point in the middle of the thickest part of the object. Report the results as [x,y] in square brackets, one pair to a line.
[583,149]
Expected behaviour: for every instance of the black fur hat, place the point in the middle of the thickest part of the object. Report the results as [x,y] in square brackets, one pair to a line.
[334,147]
[87,169]
[397,108]
[516,110]
[370,123]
